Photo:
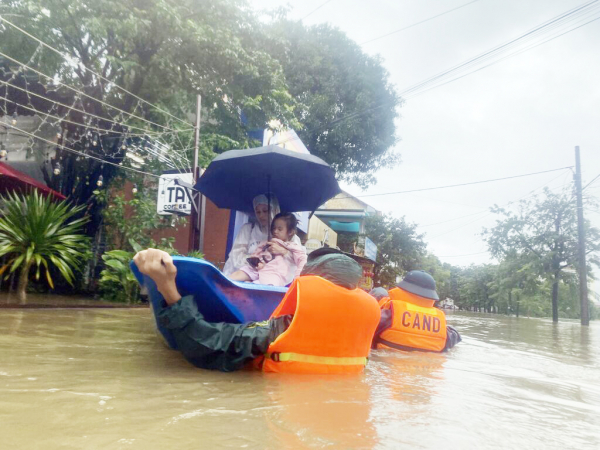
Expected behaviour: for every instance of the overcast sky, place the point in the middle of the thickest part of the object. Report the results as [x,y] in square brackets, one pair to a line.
[524,114]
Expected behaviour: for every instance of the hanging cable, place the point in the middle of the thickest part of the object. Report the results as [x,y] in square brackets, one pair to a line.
[315,10]
[529,194]
[418,23]
[85,155]
[67,106]
[595,178]
[428,84]
[67,57]
[460,184]
[53,80]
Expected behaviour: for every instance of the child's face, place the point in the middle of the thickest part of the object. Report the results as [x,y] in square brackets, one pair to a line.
[279,230]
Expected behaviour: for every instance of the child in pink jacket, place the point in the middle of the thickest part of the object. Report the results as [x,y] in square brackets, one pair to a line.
[272,261]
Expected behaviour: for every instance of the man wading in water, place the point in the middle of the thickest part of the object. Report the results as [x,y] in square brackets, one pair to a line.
[324,324]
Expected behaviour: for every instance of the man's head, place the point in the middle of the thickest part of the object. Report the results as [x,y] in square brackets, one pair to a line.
[420,283]
[335,266]
[379,293]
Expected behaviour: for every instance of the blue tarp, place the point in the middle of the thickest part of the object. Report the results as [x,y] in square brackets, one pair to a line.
[352,227]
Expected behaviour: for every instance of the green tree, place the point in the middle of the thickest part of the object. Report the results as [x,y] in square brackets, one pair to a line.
[399,247]
[35,231]
[477,289]
[163,51]
[542,233]
[133,218]
[331,78]
[441,273]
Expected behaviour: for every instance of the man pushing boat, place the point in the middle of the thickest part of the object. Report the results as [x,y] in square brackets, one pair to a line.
[324,324]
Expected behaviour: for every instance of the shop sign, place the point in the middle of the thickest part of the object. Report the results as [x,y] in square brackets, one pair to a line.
[370,249]
[173,199]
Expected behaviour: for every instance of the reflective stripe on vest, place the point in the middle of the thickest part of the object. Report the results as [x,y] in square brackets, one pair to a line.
[331,331]
[312,359]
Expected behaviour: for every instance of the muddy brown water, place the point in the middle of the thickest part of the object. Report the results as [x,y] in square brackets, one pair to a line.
[102,379]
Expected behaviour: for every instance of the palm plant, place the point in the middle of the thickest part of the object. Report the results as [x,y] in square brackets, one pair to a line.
[35,231]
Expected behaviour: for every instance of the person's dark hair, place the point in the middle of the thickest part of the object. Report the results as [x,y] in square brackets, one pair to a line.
[290,221]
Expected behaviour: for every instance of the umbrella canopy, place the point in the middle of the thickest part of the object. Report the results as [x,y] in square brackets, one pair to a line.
[13,180]
[301,182]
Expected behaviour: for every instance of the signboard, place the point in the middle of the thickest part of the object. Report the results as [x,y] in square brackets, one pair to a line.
[370,249]
[173,199]
[366,247]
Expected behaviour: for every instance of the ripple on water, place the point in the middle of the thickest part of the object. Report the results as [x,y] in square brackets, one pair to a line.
[102,379]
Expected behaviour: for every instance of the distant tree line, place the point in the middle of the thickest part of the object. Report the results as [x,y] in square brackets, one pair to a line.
[536,250]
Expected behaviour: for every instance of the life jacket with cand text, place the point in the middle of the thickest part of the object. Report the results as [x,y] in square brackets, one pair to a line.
[331,330]
[416,324]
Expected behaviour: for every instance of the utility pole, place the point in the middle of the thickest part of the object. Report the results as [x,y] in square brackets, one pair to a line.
[583,290]
[196,216]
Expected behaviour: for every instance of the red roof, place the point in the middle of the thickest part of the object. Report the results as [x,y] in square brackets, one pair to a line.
[13,180]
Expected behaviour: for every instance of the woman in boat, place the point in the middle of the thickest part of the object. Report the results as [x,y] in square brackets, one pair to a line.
[253,233]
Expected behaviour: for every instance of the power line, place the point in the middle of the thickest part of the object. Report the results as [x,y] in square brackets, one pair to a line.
[67,57]
[529,194]
[85,155]
[557,21]
[498,60]
[418,23]
[595,178]
[153,134]
[315,10]
[458,256]
[490,213]
[429,83]
[67,106]
[460,184]
[89,96]
[163,156]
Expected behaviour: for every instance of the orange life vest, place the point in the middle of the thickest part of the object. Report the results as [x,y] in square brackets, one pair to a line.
[331,331]
[416,324]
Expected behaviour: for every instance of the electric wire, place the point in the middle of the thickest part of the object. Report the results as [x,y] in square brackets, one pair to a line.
[89,126]
[162,156]
[557,21]
[529,194]
[418,23]
[154,135]
[595,178]
[570,15]
[112,83]
[315,10]
[72,108]
[497,61]
[460,184]
[91,97]
[459,256]
[85,155]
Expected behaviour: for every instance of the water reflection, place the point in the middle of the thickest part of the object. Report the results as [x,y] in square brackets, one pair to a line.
[96,378]
[319,411]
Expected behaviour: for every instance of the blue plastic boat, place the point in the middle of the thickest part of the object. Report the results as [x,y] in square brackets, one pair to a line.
[218,298]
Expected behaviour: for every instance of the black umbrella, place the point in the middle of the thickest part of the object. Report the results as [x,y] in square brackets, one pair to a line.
[300,181]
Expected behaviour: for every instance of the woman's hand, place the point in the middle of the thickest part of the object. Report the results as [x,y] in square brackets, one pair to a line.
[159,266]
[277,249]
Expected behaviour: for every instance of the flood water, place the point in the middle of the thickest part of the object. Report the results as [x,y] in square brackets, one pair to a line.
[101,378]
